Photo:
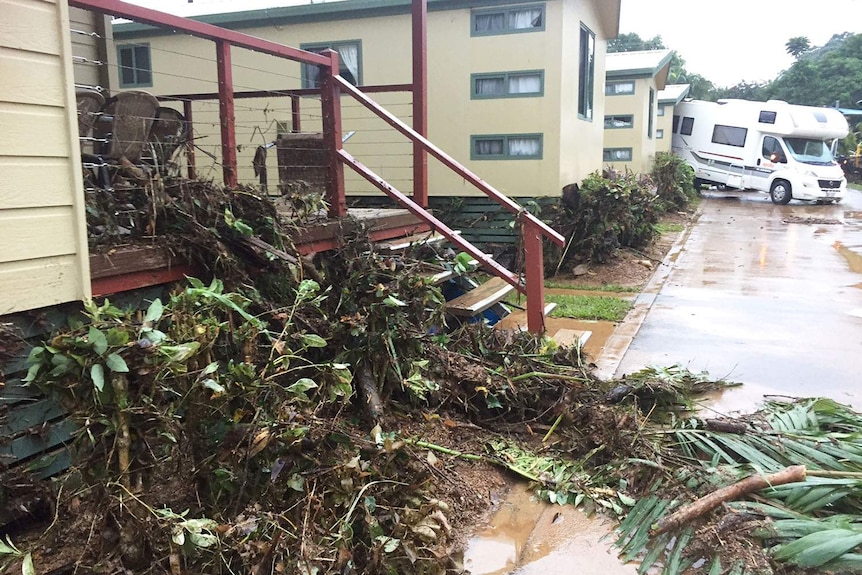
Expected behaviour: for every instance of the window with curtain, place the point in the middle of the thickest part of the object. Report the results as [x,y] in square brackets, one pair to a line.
[619,88]
[508,84]
[586,73]
[617,155]
[529,18]
[619,121]
[135,67]
[349,62]
[506,147]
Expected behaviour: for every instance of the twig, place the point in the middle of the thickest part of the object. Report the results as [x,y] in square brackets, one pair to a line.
[548,376]
[553,428]
[709,502]
[472,457]
[124,441]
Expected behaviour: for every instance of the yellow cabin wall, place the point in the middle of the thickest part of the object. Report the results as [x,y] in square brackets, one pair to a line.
[637,138]
[43,241]
[664,123]
[571,146]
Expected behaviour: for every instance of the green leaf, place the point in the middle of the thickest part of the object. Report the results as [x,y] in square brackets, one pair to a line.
[307,289]
[393,301]
[626,500]
[211,368]
[97,340]
[97,374]
[214,386]
[27,567]
[296,482]
[313,340]
[116,363]
[117,336]
[390,544]
[819,548]
[180,353]
[32,373]
[8,548]
[154,312]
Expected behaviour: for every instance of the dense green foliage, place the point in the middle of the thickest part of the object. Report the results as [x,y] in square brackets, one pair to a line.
[674,180]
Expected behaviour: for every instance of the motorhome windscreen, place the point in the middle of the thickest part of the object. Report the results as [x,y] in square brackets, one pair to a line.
[807,151]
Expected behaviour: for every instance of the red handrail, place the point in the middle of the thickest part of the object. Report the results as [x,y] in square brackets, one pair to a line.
[450,162]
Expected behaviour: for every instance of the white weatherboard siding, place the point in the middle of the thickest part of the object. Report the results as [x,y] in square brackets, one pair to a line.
[43,240]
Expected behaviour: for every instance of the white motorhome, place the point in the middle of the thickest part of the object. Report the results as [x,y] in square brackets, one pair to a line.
[773,146]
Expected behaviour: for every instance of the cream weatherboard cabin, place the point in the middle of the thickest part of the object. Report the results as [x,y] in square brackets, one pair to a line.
[514,88]
[633,81]
[668,99]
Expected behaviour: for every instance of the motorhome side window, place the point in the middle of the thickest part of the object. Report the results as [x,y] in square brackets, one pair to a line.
[772,150]
[767,117]
[729,135]
[687,126]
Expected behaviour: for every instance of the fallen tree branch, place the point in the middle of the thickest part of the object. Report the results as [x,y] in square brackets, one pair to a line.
[709,502]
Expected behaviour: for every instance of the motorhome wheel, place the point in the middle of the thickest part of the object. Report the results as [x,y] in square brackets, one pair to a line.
[780,192]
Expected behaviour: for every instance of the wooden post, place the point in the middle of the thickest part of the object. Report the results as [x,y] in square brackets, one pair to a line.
[535,276]
[420,100]
[226,113]
[295,118]
[190,136]
[330,101]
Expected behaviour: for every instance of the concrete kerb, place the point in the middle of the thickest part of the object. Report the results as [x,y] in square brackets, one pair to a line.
[618,343]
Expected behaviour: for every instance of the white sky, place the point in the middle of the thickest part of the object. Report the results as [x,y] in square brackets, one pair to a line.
[726,42]
[729,41]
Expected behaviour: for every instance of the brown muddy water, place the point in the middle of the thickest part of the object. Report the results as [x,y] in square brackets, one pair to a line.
[528,537]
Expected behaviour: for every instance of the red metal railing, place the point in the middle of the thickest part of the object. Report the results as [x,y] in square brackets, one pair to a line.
[533,230]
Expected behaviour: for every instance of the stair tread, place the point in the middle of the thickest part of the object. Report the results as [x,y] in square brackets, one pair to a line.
[570,337]
[402,243]
[478,300]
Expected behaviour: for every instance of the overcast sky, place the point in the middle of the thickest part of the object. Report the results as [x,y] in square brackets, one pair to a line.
[734,40]
[726,41]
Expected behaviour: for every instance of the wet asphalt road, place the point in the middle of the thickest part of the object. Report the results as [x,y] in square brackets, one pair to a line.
[767,295]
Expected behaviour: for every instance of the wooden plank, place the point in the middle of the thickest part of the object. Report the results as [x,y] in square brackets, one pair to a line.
[29,415]
[31,78]
[29,25]
[33,233]
[131,259]
[39,283]
[412,241]
[31,444]
[21,188]
[38,131]
[478,300]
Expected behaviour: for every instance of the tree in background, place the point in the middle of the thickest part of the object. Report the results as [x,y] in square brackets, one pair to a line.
[797,46]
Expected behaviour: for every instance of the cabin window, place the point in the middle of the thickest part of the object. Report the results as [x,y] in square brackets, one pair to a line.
[651,112]
[508,21]
[619,121]
[687,126]
[675,126]
[617,155]
[349,62]
[136,68]
[508,85]
[729,135]
[506,147]
[660,111]
[659,134]
[586,73]
[767,117]
[619,88]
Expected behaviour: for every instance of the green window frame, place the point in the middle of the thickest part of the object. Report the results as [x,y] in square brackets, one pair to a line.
[506,147]
[511,20]
[349,61]
[488,86]
[586,73]
[617,155]
[619,122]
[659,134]
[620,88]
[135,65]
[660,111]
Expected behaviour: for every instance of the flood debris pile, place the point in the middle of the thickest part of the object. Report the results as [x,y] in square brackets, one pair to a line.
[295,417]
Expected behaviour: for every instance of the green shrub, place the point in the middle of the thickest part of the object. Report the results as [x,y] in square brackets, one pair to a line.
[605,212]
[674,181]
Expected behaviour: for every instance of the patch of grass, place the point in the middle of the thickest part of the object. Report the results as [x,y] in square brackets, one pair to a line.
[855,186]
[589,307]
[670,227]
[612,288]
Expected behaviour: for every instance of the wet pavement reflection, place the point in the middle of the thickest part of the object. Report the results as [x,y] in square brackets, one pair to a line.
[766,295]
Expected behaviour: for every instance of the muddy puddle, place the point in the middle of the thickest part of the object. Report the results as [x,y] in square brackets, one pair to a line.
[527,537]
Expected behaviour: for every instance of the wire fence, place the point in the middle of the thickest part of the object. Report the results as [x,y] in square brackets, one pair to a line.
[181,68]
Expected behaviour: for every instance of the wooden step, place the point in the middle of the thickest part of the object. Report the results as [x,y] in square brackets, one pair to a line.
[401,244]
[478,300]
[572,337]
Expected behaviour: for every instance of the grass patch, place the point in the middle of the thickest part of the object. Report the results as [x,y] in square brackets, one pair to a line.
[612,288]
[670,227]
[589,307]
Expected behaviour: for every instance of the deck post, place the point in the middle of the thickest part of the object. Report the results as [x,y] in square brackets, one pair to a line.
[190,139]
[420,100]
[295,117]
[330,101]
[535,275]
[226,113]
